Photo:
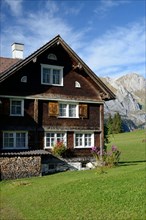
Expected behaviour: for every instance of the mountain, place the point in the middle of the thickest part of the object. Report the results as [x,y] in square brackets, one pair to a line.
[130,91]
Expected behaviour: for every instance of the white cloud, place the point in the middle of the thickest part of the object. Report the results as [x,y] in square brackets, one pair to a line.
[73,10]
[41,32]
[118,47]
[117,51]
[106,5]
[118,71]
[15,6]
[37,28]
[51,7]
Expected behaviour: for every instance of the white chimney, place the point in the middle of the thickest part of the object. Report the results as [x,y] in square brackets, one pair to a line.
[17,50]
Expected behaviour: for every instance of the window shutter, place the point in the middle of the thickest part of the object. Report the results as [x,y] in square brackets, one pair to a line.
[53,109]
[83,110]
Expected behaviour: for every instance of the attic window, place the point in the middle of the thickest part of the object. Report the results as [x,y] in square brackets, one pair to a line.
[52,56]
[24,79]
[51,75]
[77,84]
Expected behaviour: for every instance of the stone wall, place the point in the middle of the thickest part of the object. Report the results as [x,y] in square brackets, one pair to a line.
[20,167]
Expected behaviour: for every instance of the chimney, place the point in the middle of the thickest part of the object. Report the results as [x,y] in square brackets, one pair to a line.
[17,50]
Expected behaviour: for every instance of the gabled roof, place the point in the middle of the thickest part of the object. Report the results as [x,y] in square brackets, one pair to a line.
[107,93]
[6,63]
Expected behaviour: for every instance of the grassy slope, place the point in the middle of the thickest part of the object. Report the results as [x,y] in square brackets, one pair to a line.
[117,194]
[131,144]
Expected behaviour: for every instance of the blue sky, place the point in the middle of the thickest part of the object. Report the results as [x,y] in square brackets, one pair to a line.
[109,35]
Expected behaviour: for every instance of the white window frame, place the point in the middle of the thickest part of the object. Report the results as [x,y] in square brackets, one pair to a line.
[83,139]
[55,138]
[22,107]
[14,142]
[67,110]
[51,68]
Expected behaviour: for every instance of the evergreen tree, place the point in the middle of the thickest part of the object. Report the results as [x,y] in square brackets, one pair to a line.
[117,124]
[110,125]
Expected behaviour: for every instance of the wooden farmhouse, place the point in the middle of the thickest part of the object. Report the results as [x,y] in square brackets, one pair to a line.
[50,96]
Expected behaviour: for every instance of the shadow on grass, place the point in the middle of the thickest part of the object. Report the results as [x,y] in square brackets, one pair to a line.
[129,163]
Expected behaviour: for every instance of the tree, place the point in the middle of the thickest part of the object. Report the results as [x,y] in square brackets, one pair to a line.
[117,124]
[114,125]
[110,125]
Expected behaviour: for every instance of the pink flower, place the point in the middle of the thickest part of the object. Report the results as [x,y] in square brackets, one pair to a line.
[114,148]
[95,150]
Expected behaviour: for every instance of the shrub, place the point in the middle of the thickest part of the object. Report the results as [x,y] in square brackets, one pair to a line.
[59,148]
[96,153]
[114,155]
[108,158]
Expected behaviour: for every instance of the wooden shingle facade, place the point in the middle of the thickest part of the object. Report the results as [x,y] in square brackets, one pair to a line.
[50,96]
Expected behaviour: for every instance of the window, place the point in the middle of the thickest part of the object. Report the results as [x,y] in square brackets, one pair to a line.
[51,138]
[16,107]
[52,56]
[15,140]
[84,140]
[24,79]
[68,110]
[52,75]
[77,84]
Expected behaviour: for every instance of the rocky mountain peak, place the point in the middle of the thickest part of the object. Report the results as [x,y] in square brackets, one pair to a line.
[130,98]
[132,82]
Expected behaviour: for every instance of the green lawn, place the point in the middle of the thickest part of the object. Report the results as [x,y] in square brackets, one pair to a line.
[117,194]
[131,144]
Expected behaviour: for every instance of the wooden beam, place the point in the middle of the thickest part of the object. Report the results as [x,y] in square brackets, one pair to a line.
[36,110]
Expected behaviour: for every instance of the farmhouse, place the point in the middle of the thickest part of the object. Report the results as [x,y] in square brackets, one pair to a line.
[50,96]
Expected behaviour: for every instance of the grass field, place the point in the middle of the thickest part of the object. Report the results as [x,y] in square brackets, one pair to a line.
[117,194]
[131,144]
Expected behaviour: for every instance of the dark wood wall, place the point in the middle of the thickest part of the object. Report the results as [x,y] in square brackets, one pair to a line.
[14,86]
[91,122]
[34,122]
[46,122]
